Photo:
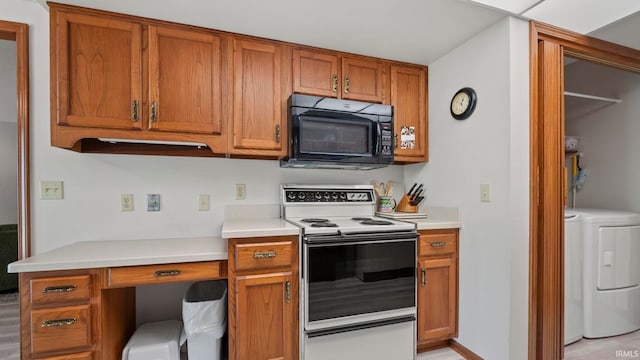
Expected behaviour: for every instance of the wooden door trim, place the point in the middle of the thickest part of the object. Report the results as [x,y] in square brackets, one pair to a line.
[548,45]
[19,33]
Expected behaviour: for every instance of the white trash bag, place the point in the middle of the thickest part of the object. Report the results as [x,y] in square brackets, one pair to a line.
[204,314]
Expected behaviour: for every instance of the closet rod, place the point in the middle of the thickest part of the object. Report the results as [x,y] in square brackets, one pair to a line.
[592,97]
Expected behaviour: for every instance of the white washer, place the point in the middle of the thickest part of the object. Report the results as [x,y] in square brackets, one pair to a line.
[573,328]
[611,278]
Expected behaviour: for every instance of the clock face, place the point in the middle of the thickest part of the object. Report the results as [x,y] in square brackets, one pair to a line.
[460,103]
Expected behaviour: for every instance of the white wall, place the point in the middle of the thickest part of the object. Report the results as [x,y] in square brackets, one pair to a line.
[492,147]
[8,134]
[8,97]
[8,173]
[93,183]
[608,135]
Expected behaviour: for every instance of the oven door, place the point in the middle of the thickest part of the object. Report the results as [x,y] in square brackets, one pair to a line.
[359,278]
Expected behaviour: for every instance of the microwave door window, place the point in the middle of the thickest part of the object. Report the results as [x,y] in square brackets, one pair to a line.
[330,137]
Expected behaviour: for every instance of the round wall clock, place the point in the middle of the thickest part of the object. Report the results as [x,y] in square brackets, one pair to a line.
[463,103]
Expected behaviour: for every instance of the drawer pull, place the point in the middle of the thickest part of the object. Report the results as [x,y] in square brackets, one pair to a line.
[287,291]
[160,273]
[438,243]
[58,322]
[59,289]
[264,254]
[423,277]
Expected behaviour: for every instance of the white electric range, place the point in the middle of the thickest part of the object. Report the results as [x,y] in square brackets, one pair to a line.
[358,274]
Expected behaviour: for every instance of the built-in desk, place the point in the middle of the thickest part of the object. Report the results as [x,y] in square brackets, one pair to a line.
[78,301]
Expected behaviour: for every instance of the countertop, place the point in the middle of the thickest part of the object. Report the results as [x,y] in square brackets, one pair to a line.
[257,227]
[114,253]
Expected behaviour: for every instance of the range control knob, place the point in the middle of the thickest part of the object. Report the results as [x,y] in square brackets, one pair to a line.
[291,195]
[326,195]
[343,196]
[301,195]
[334,195]
[318,195]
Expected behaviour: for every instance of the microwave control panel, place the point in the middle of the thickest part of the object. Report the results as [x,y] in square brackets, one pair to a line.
[386,139]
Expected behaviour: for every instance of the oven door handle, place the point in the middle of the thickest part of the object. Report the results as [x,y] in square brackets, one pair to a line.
[349,238]
[367,325]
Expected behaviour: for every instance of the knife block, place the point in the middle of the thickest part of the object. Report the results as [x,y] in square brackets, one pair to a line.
[405,205]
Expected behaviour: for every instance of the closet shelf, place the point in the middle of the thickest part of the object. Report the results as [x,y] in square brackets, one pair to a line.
[585,96]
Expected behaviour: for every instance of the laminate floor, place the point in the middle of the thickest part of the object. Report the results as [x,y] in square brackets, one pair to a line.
[440,354]
[615,347]
[9,327]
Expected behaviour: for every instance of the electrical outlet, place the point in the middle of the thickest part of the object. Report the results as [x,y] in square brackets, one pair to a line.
[126,202]
[153,202]
[485,192]
[203,202]
[241,191]
[51,190]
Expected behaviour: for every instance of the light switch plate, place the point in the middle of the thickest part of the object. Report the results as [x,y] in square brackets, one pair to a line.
[51,190]
[203,202]
[153,202]
[485,192]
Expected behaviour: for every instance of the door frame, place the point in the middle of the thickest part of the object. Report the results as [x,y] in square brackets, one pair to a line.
[19,33]
[548,45]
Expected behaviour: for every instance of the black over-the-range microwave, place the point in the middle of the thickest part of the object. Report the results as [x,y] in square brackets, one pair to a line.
[338,134]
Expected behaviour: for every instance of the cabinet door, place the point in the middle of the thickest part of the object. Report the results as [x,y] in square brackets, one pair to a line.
[96,72]
[259,102]
[185,81]
[437,289]
[409,99]
[315,73]
[265,317]
[362,80]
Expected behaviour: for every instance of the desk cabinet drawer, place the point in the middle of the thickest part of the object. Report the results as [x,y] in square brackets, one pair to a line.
[437,242]
[64,328]
[161,274]
[264,255]
[60,289]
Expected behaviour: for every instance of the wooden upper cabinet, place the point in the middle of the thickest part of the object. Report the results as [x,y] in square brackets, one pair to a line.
[315,73]
[96,75]
[331,74]
[185,86]
[260,71]
[409,100]
[362,80]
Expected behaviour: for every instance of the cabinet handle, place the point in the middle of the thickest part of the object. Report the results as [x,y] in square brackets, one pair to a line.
[160,273]
[346,84]
[58,322]
[58,289]
[423,277]
[134,111]
[438,244]
[395,137]
[154,111]
[287,291]
[278,133]
[334,83]
[264,254]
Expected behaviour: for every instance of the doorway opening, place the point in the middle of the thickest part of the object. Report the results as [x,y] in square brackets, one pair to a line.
[549,46]
[19,33]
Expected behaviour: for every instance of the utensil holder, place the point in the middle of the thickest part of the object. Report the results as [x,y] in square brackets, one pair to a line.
[405,205]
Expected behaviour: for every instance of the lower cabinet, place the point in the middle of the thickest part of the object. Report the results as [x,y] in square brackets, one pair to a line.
[263,298]
[437,287]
